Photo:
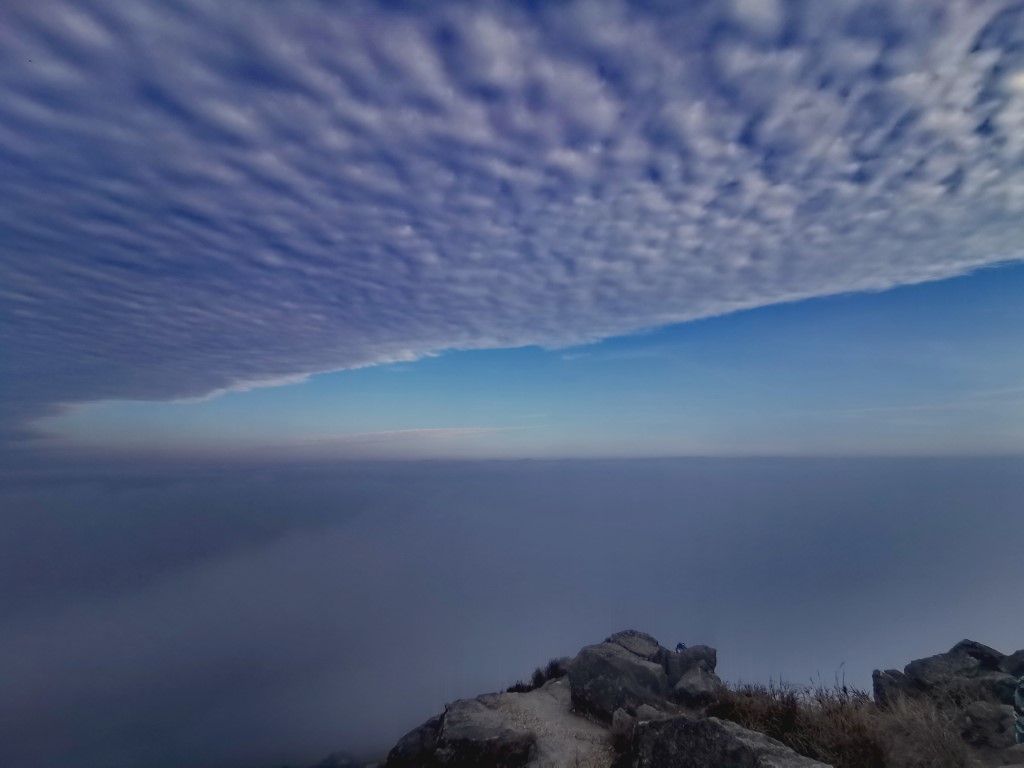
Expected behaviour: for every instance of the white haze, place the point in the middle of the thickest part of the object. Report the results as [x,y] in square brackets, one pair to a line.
[253,616]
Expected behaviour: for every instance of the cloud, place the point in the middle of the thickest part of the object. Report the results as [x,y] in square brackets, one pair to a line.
[200,196]
[394,443]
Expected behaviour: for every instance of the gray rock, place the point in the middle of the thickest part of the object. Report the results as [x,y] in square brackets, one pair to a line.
[1013,757]
[682,742]
[940,670]
[638,643]
[968,672]
[698,687]
[889,686]
[678,663]
[622,726]
[416,747]
[647,712]
[608,676]
[537,728]
[1013,664]
[471,732]
[988,725]
[988,658]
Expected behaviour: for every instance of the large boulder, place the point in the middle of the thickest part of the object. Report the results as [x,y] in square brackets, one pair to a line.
[698,686]
[1013,664]
[683,742]
[623,724]
[988,658]
[631,669]
[678,663]
[417,746]
[471,732]
[614,675]
[535,728]
[968,672]
[889,685]
[638,643]
[477,731]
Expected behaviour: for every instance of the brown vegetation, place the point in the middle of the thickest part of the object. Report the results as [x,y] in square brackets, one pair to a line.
[845,728]
[554,669]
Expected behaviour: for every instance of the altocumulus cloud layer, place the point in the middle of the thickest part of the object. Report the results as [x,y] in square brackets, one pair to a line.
[199,196]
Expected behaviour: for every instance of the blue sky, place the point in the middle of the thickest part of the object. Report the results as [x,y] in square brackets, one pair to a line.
[207,198]
[927,369]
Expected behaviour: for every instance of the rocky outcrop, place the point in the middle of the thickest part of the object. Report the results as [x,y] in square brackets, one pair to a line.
[684,742]
[618,697]
[968,672]
[678,663]
[617,675]
[698,686]
[1013,664]
[630,669]
[470,732]
[976,680]
[628,702]
[507,730]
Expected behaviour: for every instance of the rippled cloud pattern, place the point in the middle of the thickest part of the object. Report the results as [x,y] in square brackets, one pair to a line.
[203,196]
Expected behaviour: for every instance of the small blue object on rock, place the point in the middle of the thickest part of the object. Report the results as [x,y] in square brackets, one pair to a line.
[680,647]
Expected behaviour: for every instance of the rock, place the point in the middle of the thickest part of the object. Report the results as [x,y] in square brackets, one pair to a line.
[647,712]
[417,746]
[477,728]
[942,670]
[988,658]
[630,702]
[678,663]
[609,676]
[888,686]
[638,643]
[1013,757]
[622,726]
[698,687]
[537,728]
[683,742]
[699,653]
[988,725]
[1013,664]
[968,672]
[470,732]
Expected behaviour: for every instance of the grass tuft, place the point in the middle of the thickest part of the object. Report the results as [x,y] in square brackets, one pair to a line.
[552,670]
[845,728]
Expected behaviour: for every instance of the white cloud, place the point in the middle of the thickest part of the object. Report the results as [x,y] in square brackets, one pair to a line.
[201,196]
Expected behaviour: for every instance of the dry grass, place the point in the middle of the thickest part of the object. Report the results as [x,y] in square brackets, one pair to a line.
[845,728]
[552,670]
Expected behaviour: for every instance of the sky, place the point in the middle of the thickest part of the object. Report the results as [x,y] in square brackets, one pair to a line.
[206,198]
[356,357]
[932,369]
